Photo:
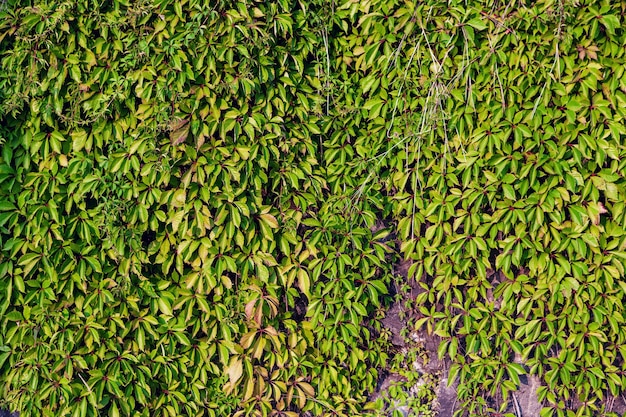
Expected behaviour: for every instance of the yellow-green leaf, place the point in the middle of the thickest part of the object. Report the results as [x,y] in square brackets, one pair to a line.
[270,220]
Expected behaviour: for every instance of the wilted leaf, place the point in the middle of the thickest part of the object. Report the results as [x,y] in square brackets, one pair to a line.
[179,131]
[234,370]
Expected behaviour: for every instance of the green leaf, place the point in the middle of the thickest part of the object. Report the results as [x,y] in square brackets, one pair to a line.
[610,22]
[79,139]
[14,316]
[525,131]
[176,219]
[164,306]
[244,152]
[304,282]
[509,192]
[269,219]
[359,309]
[6,205]
[477,24]
[578,214]
[28,261]
[94,263]
[4,305]
[179,198]
[262,272]
[453,374]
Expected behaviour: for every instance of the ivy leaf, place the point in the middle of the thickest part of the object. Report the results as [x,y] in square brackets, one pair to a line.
[234,370]
[176,219]
[453,374]
[79,139]
[6,205]
[304,282]
[509,192]
[269,219]
[610,22]
[525,131]
[477,24]
[262,272]
[578,214]
[94,263]
[179,198]
[244,152]
[179,131]
[164,306]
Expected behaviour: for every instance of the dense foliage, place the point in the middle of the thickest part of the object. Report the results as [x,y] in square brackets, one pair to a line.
[200,201]
[171,242]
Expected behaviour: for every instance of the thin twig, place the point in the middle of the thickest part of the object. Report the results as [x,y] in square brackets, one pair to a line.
[326,48]
[502,98]
[543,89]
[557,57]
[395,106]
[516,406]
[84,382]
[392,62]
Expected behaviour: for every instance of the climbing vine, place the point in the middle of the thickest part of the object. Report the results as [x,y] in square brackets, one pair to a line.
[201,203]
